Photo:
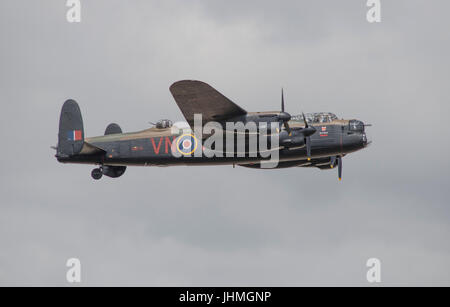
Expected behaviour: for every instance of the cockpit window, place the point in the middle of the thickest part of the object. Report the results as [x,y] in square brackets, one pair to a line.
[320,117]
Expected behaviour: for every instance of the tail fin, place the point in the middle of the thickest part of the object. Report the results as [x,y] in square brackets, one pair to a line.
[71,132]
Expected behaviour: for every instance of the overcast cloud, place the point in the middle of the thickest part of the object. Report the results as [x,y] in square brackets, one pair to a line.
[219,226]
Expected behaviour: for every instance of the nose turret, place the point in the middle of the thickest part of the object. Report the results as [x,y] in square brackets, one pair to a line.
[356,125]
[356,137]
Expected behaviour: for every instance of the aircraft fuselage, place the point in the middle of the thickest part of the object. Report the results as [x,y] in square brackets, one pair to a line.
[153,147]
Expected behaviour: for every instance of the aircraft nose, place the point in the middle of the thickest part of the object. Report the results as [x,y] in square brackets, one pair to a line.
[358,127]
[366,139]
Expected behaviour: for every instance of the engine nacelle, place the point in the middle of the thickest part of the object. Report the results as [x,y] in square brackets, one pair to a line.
[293,140]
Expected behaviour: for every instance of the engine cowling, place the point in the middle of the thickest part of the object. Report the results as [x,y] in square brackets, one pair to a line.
[294,140]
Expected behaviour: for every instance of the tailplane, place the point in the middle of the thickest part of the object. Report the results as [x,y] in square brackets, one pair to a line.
[71,131]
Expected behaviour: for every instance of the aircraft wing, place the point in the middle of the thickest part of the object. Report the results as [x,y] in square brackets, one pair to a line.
[196,97]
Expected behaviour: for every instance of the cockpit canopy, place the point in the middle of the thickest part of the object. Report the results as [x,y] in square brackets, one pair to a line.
[164,123]
[318,117]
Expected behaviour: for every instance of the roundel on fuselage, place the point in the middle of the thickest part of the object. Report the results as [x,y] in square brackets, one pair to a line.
[186,144]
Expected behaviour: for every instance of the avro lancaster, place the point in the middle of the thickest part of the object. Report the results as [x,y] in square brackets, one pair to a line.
[318,140]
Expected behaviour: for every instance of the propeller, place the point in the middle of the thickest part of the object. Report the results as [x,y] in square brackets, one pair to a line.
[307,132]
[333,161]
[308,147]
[284,117]
[339,160]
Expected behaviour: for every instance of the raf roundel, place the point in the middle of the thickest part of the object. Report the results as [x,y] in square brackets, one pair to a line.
[186,144]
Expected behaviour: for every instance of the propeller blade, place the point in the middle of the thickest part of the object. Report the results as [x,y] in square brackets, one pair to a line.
[284,117]
[332,161]
[304,119]
[308,148]
[339,159]
[288,129]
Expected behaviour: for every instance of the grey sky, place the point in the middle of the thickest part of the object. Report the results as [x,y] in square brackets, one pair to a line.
[218,225]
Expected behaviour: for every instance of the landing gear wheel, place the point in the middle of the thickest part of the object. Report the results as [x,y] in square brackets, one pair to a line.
[96,173]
